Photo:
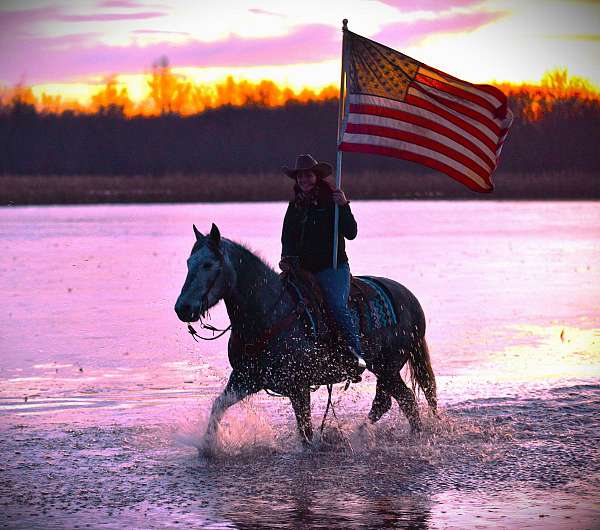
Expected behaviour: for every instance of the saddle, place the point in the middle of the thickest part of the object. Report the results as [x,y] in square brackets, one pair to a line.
[369,301]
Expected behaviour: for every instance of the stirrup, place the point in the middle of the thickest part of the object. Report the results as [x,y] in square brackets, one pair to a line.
[360,360]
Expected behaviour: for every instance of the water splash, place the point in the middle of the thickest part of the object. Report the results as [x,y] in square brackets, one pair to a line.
[244,430]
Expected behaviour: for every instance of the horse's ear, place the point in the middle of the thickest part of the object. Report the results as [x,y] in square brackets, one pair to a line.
[215,235]
[199,236]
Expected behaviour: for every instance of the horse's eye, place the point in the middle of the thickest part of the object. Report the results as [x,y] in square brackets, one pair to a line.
[207,266]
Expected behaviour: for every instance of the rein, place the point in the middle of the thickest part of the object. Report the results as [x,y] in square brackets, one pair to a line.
[278,327]
[329,404]
[203,325]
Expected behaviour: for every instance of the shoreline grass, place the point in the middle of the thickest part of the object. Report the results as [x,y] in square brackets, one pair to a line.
[22,190]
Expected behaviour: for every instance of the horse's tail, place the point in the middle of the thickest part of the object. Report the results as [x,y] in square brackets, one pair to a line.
[421,372]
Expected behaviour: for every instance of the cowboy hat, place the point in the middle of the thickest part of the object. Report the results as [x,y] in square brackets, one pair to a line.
[308,163]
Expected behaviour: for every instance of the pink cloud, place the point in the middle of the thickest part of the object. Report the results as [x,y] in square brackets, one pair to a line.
[428,5]
[406,33]
[256,11]
[70,57]
[44,60]
[120,3]
[13,21]
[159,32]
[63,42]
[103,17]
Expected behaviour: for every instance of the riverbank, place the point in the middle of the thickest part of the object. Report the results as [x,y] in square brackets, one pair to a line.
[18,190]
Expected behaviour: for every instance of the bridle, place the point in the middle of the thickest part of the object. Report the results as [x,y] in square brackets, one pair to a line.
[204,325]
[204,303]
[269,333]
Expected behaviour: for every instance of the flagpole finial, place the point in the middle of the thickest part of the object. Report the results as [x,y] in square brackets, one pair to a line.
[345,24]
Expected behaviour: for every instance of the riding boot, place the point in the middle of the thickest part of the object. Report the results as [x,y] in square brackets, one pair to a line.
[359,365]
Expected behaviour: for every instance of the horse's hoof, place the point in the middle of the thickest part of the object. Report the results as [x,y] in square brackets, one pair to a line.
[307,445]
[373,417]
[416,428]
[206,452]
[207,449]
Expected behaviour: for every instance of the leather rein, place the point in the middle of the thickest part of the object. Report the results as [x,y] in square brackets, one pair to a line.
[278,327]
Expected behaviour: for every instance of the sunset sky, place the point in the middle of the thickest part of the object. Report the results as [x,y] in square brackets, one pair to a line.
[71,47]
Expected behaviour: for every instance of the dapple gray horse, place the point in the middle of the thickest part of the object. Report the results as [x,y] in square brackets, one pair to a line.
[291,361]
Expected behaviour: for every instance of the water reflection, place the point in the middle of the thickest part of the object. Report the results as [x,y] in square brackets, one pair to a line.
[308,492]
[86,414]
[547,352]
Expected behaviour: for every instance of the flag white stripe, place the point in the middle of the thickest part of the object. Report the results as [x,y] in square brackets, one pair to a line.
[463,86]
[471,121]
[367,139]
[485,113]
[424,132]
[376,101]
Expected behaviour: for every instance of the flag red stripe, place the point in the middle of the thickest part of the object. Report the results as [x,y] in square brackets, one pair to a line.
[491,90]
[407,117]
[420,159]
[471,129]
[486,121]
[455,91]
[417,139]
[473,89]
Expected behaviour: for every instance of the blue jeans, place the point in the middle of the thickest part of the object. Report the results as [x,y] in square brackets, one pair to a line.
[335,284]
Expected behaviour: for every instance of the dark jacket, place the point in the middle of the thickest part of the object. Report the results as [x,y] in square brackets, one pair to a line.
[307,234]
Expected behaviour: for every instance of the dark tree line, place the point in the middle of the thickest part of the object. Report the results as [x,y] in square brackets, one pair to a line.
[256,139]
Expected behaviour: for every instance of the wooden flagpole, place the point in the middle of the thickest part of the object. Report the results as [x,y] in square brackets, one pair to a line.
[338,162]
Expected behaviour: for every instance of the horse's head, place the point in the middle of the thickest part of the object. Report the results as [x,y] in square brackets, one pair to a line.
[209,277]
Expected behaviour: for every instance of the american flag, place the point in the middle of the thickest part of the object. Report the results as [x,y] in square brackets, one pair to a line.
[396,106]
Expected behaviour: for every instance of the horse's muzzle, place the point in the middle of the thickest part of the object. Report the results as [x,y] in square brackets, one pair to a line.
[186,312]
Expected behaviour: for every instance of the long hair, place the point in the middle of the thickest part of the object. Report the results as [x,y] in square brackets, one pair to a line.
[321,194]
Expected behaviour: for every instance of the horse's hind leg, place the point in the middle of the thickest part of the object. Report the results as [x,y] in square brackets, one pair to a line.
[405,398]
[381,403]
[301,404]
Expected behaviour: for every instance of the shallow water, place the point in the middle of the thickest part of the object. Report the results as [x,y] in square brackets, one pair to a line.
[104,396]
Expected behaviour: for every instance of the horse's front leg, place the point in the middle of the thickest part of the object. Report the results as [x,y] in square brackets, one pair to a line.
[301,403]
[238,387]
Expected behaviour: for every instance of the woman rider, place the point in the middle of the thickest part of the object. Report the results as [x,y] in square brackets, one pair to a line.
[307,241]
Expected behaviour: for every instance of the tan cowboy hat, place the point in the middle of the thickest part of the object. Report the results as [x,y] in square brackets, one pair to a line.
[307,162]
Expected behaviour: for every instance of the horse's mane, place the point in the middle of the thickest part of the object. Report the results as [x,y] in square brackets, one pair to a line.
[252,260]
[251,257]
